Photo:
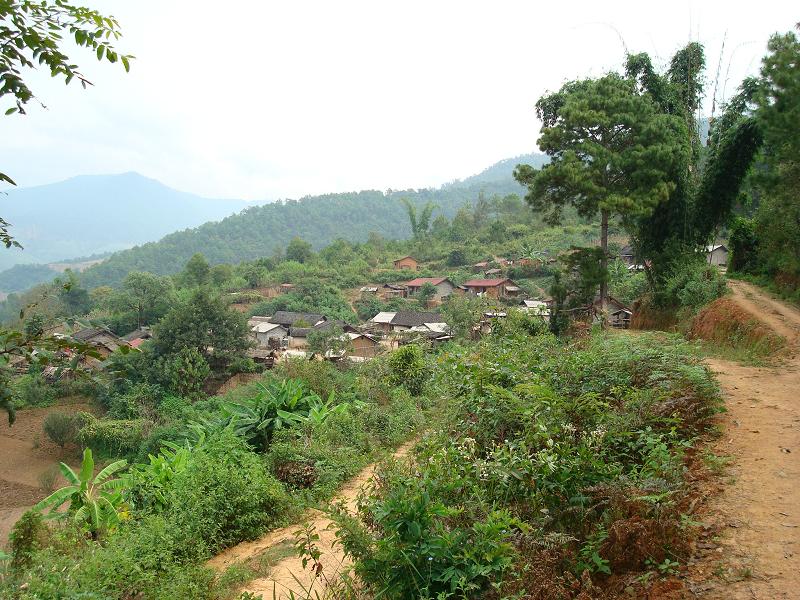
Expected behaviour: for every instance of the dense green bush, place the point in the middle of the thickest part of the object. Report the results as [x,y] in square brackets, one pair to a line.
[34,390]
[112,437]
[424,549]
[26,538]
[224,496]
[693,284]
[407,368]
[138,401]
[172,407]
[743,242]
[185,372]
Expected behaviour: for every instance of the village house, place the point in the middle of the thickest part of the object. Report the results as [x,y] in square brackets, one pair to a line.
[626,255]
[540,308]
[480,267]
[444,287]
[403,320]
[394,290]
[619,315]
[436,333]
[489,273]
[363,345]
[406,319]
[267,334]
[138,336]
[407,262]
[717,255]
[298,336]
[493,288]
[382,322]
[289,319]
[103,340]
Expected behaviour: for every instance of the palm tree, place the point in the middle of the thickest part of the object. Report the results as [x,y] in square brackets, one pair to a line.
[94,502]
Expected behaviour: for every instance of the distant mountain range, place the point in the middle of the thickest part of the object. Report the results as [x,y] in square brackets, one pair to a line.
[100,214]
[89,216]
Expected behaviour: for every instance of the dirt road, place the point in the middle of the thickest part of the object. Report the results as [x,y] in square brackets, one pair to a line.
[287,574]
[757,555]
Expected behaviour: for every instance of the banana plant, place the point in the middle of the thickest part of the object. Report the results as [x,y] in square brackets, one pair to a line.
[147,483]
[271,409]
[95,502]
[318,412]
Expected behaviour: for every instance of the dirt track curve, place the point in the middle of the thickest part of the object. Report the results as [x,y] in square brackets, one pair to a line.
[287,574]
[758,512]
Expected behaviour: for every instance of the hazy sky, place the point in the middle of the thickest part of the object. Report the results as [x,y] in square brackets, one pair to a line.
[265,100]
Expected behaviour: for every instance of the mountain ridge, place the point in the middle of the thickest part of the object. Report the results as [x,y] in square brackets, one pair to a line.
[258,229]
[112,212]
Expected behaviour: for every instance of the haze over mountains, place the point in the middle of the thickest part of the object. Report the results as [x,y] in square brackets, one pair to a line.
[96,214]
[92,215]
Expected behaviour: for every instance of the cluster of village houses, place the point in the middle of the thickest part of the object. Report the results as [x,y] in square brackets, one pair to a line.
[285,334]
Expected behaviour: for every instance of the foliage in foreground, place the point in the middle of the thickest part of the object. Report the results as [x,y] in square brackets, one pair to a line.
[553,461]
[202,487]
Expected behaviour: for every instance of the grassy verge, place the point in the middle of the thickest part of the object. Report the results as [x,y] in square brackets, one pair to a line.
[730,332]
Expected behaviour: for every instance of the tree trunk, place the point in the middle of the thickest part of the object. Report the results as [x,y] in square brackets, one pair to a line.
[604,265]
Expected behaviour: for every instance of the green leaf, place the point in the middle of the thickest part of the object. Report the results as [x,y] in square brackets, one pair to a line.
[108,471]
[87,468]
[57,498]
[69,474]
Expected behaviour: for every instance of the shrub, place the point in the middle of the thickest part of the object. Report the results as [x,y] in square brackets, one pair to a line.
[26,537]
[420,548]
[33,390]
[138,401]
[112,437]
[743,241]
[224,496]
[393,422]
[186,372]
[62,427]
[407,368]
[154,440]
[172,407]
[48,478]
[694,284]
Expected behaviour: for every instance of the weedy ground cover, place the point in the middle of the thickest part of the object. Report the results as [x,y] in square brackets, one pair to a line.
[558,468]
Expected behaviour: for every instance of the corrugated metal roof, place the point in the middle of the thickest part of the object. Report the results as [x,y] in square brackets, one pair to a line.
[383,317]
[265,327]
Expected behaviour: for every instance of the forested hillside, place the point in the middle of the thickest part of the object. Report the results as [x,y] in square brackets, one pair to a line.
[262,230]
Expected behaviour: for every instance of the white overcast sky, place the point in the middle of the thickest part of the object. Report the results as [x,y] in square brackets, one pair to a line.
[264,100]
